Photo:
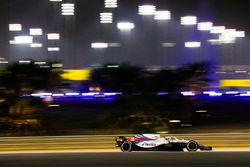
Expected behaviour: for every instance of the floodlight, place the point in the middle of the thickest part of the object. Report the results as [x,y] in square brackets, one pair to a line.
[53,36]
[162,15]
[40,63]
[214,41]
[36,45]
[68,9]
[57,65]
[23,39]
[68,5]
[174,121]
[225,39]
[217,29]
[15,27]
[125,26]
[99,45]
[3,61]
[12,42]
[111,4]
[240,34]
[228,36]
[36,31]
[53,49]
[192,44]
[147,10]
[189,20]
[106,17]
[24,62]
[205,26]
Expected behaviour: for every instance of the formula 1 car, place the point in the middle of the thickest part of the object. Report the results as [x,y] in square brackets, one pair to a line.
[154,142]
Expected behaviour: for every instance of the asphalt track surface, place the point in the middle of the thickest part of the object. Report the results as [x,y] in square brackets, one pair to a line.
[119,159]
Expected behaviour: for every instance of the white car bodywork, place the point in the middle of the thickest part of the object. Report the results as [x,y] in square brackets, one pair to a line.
[155,140]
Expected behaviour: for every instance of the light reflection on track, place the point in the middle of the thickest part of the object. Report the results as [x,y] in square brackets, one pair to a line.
[103,143]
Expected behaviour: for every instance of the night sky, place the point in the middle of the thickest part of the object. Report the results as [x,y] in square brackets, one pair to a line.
[142,46]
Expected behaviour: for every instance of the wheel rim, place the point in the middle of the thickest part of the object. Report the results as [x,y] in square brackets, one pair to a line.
[126,147]
[192,146]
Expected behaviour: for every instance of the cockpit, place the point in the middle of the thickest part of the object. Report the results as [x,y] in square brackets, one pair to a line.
[171,138]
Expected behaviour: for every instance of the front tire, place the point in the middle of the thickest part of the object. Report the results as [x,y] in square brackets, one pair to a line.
[126,146]
[192,146]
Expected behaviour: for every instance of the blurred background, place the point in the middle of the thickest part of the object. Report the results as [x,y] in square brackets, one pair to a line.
[70,67]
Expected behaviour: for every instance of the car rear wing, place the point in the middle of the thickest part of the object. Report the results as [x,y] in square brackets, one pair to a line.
[119,140]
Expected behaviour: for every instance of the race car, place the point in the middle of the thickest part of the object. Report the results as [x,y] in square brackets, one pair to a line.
[155,142]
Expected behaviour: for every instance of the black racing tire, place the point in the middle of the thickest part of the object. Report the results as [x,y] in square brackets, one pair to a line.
[192,146]
[126,146]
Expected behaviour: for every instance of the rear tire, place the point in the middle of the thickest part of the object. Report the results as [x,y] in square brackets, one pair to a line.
[192,146]
[126,146]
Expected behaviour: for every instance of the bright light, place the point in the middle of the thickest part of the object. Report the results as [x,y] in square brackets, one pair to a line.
[189,20]
[90,94]
[205,26]
[147,10]
[68,13]
[106,17]
[214,41]
[23,39]
[68,9]
[99,45]
[15,27]
[232,92]
[68,5]
[174,121]
[113,66]
[240,71]
[201,111]
[162,15]
[24,62]
[73,94]
[188,93]
[36,31]
[217,29]
[240,34]
[212,93]
[53,36]
[245,94]
[53,105]
[57,65]
[12,42]
[36,45]
[125,26]
[40,63]
[55,0]
[168,44]
[192,44]
[53,49]
[111,4]
[228,36]
[58,95]
[215,94]
[3,61]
